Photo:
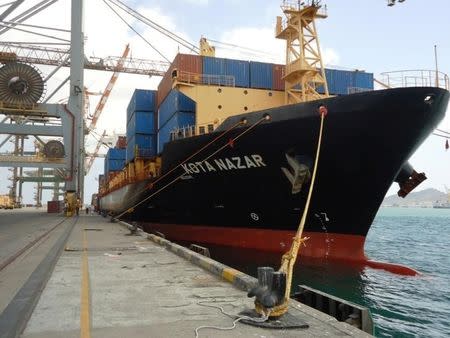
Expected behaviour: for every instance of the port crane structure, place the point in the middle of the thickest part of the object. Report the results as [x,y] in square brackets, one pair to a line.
[66,121]
[57,120]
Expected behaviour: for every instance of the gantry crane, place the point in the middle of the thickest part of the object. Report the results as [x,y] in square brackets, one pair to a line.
[51,56]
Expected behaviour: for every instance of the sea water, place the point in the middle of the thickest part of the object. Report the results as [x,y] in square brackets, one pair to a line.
[409,306]
[401,306]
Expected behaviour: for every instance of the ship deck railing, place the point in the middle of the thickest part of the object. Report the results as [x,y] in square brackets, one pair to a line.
[416,78]
[354,90]
[193,130]
[205,79]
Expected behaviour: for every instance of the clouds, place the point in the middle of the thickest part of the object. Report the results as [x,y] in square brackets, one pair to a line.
[197,2]
[260,44]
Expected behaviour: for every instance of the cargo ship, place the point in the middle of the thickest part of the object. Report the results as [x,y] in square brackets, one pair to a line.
[222,152]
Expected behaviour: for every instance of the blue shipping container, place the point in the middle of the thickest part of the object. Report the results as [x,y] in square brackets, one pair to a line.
[141,123]
[219,67]
[240,70]
[341,82]
[142,100]
[115,154]
[364,80]
[178,120]
[116,165]
[261,75]
[174,102]
[213,66]
[142,145]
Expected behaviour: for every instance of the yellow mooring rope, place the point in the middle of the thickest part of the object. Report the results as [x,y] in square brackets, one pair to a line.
[289,258]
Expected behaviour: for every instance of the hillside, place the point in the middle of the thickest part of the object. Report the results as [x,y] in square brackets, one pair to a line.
[423,198]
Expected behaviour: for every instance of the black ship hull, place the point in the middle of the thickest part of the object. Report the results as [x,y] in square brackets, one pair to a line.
[252,192]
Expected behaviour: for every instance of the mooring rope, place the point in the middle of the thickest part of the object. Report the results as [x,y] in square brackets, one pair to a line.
[289,258]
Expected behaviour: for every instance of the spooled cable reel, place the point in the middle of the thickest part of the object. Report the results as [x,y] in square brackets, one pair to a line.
[54,149]
[21,83]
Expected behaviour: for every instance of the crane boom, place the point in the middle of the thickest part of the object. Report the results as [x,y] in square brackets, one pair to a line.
[55,56]
[101,104]
[90,159]
[109,87]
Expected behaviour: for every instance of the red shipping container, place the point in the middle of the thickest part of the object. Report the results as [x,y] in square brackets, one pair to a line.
[278,73]
[121,142]
[53,207]
[182,63]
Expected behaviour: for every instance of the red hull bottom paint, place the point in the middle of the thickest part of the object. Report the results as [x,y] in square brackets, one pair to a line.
[319,245]
[349,248]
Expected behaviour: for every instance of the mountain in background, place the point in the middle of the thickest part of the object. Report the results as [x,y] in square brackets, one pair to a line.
[423,198]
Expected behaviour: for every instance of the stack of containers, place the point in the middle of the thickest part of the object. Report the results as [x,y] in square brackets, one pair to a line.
[218,67]
[141,121]
[115,160]
[182,63]
[176,111]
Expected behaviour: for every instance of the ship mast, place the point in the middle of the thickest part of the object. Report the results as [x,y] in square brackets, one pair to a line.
[304,67]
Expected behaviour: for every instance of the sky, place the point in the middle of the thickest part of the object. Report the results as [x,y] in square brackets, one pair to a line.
[359,34]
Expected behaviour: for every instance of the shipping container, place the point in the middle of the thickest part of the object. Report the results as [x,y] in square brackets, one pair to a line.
[343,82]
[188,63]
[141,145]
[277,77]
[182,63]
[178,120]
[165,86]
[121,142]
[115,154]
[364,80]
[54,207]
[218,68]
[142,100]
[114,165]
[141,123]
[174,102]
[215,68]
[240,70]
[261,75]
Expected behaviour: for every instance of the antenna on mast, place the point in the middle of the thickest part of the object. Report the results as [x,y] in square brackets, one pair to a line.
[436,62]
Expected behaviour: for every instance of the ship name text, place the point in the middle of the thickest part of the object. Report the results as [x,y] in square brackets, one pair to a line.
[224,164]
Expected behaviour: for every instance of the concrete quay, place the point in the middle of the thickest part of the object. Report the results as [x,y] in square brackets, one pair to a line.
[106,282]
